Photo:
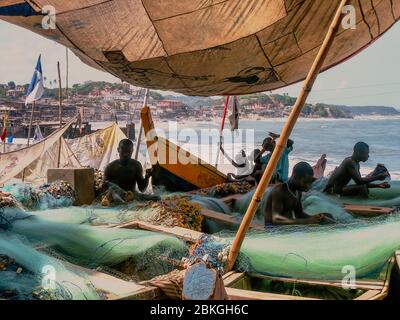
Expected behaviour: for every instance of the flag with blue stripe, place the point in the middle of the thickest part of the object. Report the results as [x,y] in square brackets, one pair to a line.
[36,87]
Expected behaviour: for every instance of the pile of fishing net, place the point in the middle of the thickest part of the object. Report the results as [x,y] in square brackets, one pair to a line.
[7,200]
[54,195]
[146,253]
[28,274]
[322,252]
[225,189]
[178,211]
[99,185]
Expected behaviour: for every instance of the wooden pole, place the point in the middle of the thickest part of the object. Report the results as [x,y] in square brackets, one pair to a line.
[5,129]
[146,96]
[222,129]
[286,131]
[60,110]
[67,73]
[31,122]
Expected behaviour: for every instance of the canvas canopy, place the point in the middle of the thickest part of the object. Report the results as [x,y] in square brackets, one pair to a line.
[206,47]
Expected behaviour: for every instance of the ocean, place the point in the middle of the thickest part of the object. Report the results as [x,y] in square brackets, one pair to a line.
[312,138]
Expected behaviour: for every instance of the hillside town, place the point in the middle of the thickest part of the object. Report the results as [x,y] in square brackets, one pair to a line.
[102,101]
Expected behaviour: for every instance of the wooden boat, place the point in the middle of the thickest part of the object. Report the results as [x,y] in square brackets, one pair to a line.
[168,171]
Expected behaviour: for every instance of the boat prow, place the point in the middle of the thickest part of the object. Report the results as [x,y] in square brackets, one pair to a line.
[169,170]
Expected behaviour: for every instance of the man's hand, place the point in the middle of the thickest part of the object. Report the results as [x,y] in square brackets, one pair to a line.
[149,172]
[328,217]
[384,185]
[316,219]
[274,135]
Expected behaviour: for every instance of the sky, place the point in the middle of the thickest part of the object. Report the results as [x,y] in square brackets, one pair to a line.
[370,78]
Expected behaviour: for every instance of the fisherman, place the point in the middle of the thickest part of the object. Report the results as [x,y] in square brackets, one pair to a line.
[126,172]
[281,173]
[349,169]
[284,206]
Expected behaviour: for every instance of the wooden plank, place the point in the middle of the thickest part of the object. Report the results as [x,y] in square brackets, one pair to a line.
[112,287]
[369,295]
[232,277]
[363,285]
[367,211]
[181,233]
[227,219]
[239,294]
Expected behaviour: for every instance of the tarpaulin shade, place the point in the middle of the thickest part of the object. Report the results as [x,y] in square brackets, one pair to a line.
[208,47]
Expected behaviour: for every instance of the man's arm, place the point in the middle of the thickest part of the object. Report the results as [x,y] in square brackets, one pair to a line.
[142,182]
[358,179]
[230,159]
[108,174]
[279,219]
[298,210]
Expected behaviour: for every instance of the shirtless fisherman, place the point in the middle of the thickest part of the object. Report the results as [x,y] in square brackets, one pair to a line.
[284,205]
[126,173]
[338,182]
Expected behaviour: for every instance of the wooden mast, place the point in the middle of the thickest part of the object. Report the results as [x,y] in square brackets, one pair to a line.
[222,130]
[31,122]
[146,96]
[286,131]
[59,111]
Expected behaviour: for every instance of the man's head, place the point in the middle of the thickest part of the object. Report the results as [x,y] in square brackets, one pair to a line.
[125,149]
[361,151]
[303,176]
[268,144]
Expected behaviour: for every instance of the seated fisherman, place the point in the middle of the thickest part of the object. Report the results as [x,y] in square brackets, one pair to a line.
[126,172]
[281,173]
[338,182]
[244,164]
[284,206]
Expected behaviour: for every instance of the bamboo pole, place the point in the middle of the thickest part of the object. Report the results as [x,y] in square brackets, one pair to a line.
[286,131]
[221,130]
[60,110]
[146,96]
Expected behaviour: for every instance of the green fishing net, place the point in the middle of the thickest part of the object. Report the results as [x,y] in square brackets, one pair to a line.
[322,252]
[35,275]
[55,195]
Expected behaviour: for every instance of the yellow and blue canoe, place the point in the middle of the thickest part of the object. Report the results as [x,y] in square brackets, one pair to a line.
[168,170]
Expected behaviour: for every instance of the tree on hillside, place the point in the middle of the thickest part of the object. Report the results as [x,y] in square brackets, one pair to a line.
[11,85]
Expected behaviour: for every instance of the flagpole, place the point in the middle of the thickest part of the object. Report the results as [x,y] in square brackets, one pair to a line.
[30,123]
[221,130]
[59,110]
[5,130]
[67,73]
